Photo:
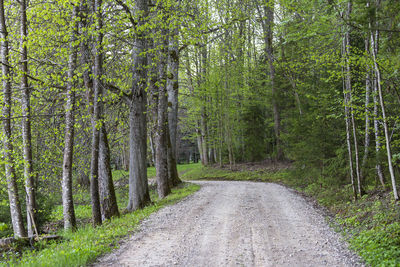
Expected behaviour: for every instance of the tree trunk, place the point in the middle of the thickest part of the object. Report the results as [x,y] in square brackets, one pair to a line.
[68,204]
[378,145]
[203,135]
[163,188]
[26,124]
[378,166]
[173,176]
[203,110]
[152,99]
[172,89]
[367,120]
[268,39]
[15,206]
[108,200]
[138,185]
[347,99]
[87,65]
[385,126]
[199,145]
[97,116]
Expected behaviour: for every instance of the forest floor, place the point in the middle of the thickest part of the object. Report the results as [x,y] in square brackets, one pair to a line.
[228,223]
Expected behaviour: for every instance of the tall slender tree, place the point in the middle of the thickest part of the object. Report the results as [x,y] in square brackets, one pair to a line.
[172,90]
[383,110]
[163,186]
[67,196]
[97,114]
[15,206]
[26,123]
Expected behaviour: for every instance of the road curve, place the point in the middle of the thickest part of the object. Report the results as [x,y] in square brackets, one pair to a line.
[235,224]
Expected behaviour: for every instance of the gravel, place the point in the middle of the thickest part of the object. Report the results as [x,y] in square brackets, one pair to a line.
[235,224]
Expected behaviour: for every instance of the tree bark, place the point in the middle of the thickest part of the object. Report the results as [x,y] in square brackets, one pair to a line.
[203,110]
[367,119]
[26,124]
[163,187]
[138,185]
[384,118]
[378,145]
[378,165]
[68,204]
[152,99]
[96,117]
[199,145]
[268,23]
[108,200]
[347,99]
[15,206]
[172,90]
[173,177]
[87,65]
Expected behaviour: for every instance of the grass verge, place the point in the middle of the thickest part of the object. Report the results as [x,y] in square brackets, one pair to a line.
[83,246]
[371,225]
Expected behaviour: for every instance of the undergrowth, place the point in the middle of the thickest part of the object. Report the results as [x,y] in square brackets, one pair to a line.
[371,224]
[83,246]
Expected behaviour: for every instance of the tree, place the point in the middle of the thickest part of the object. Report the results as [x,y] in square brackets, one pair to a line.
[172,90]
[266,13]
[15,206]
[26,124]
[108,200]
[67,196]
[97,115]
[383,110]
[163,187]
[138,186]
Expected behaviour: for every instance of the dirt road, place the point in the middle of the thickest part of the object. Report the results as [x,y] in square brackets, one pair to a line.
[235,224]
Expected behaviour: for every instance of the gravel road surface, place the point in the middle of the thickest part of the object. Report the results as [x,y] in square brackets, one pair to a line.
[235,224]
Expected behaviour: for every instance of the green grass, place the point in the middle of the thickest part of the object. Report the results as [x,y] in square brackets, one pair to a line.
[371,225]
[199,172]
[87,243]
[83,208]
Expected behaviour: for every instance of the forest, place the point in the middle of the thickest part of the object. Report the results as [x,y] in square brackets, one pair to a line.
[101,97]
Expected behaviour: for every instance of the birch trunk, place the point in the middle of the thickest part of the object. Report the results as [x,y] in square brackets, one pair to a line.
[367,119]
[347,98]
[385,126]
[26,124]
[378,145]
[378,166]
[15,206]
